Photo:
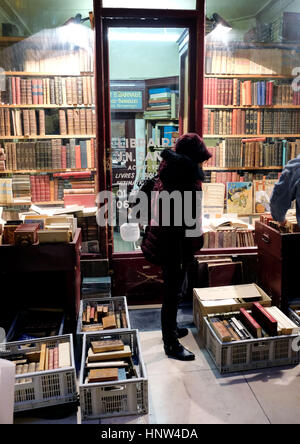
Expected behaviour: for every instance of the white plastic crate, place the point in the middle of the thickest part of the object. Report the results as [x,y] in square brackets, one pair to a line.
[249,354]
[117,398]
[114,304]
[46,388]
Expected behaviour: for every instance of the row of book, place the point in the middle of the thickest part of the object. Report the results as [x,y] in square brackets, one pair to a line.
[163,99]
[49,91]
[250,60]
[48,358]
[252,122]
[234,176]
[22,123]
[261,322]
[97,317]
[225,238]
[233,153]
[77,121]
[59,61]
[249,93]
[51,154]
[290,225]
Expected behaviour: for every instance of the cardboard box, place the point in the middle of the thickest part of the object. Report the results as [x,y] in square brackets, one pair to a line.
[211,300]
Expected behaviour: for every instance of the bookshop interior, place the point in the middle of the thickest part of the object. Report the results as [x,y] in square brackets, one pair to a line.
[94,97]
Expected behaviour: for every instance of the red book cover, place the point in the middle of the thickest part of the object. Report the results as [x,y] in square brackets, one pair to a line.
[35,99]
[78,156]
[250,323]
[215,91]
[40,92]
[87,200]
[64,157]
[55,358]
[18,90]
[234,121]
[267,321]
[206,81]
[13,89]
[271,93]
[93,154]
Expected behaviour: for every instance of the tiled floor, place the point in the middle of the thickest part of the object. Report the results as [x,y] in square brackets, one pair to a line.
[195,392]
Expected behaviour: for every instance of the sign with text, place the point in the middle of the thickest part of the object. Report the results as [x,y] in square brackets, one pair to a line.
[126,100]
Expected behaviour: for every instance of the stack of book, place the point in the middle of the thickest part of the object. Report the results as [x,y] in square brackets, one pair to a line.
[21,189]
[291,225]
[261,322]
[59,91]
[79,188]
[162,103]
[77,121]
[51,154]
[48,358]
[2,160]
[109,360]
[6,191]
[96,286]
[98,316]
[229,238]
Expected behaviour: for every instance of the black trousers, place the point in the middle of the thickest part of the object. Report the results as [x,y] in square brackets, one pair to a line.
[175,267]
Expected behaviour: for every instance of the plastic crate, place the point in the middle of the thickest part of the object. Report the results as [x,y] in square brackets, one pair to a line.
[111,399]
[293,316]
[249,354]
[24,317]
[118,303]
[46,388]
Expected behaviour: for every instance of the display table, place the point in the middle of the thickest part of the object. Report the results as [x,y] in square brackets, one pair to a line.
[42,275]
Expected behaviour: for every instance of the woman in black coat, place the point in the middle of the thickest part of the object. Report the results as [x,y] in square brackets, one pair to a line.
[173,247]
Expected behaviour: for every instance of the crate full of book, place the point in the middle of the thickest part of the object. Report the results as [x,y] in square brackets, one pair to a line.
[251,339]
[99,314]
[45,371]
[113,380]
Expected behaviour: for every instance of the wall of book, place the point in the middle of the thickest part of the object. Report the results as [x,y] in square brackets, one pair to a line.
[48,150]
[251,115]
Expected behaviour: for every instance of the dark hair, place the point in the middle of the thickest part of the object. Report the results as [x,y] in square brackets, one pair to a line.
[192,146]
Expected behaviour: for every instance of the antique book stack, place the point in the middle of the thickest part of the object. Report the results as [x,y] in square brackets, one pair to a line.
[97,316]
[48,358]
[109,360]
[290,226]
[261,322]
[48,155]
[56,90]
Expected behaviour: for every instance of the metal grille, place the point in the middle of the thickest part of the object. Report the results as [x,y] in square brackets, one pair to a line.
[260,352]
[88,409]
[71,388]
[115,404]
[239,354]
[24,395]
[50,386]
[282,349]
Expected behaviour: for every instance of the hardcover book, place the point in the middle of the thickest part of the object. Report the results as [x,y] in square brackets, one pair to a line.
[239,198]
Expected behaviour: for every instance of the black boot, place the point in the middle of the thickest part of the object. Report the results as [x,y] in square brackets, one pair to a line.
[181,332]
[177,351]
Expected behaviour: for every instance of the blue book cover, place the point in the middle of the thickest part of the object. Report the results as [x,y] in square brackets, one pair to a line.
[283,153]
[83,154]
[263,93]
[159,90]
[168,130]
[258,94]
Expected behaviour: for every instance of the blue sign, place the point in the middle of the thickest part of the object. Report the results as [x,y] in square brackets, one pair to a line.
[126,100]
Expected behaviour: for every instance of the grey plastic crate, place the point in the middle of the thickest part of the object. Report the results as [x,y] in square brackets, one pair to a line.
[249,354]
[117,303]
[294,317]
[118,398]
[46,388]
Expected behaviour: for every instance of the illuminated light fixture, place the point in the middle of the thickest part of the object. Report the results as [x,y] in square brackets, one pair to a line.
[78,20]
[219,21]
[220,28]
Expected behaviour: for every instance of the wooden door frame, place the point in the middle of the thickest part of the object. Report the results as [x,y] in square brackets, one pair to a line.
[105,18]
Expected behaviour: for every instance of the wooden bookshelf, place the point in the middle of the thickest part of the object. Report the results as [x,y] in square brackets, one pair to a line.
[46,74]
[246,107]
[279,168]
[47,106]
[68,170]
[248,76]
[250,136]
[53,136]
[28,204]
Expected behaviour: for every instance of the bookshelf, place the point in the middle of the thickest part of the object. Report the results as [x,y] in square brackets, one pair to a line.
[47,123]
